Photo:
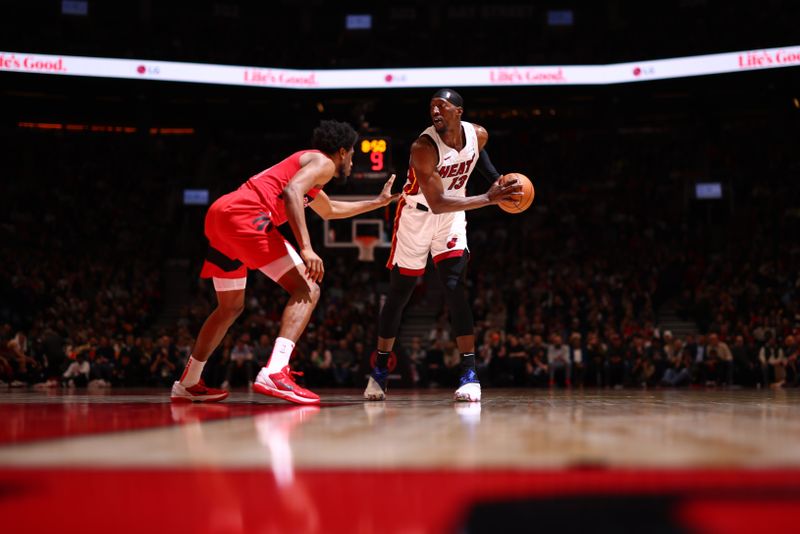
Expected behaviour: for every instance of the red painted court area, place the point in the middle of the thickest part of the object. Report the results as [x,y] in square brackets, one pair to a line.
[352,501]
[29,422]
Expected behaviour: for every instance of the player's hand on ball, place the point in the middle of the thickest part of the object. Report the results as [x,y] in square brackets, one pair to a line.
[315,269]
[386,196]
[521,201]
[504,190]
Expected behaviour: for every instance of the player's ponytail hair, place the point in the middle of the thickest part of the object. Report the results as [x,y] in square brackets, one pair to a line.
[330,136]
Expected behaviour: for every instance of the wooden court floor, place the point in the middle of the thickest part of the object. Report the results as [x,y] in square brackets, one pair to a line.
[416,463]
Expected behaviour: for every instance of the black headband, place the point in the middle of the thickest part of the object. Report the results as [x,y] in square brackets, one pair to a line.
[449,95]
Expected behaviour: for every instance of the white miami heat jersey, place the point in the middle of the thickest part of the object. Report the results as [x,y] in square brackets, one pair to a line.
[454,166]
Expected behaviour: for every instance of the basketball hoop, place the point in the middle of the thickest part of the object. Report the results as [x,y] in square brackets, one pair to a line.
[366,247]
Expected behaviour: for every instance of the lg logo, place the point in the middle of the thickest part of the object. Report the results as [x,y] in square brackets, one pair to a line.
[142,69]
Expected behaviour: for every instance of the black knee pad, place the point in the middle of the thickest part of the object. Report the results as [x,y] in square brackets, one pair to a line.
[453,274]
[400,289]
[453,271]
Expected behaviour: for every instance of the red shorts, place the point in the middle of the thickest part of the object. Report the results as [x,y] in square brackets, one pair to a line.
[242,237]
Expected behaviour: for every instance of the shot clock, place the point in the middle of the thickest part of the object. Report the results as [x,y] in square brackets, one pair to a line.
[373,158]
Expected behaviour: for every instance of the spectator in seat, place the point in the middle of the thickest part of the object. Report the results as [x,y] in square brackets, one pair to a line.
[577,356]
[724,359]
[745,365]
[343,362]
[679,371]
[416,357]
[790,351]
[518,359]
[163,363]
[77,374]
[558,361]
[242,362]
[770,357]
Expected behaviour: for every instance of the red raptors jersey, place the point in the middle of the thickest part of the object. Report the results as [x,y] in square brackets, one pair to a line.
[269,185]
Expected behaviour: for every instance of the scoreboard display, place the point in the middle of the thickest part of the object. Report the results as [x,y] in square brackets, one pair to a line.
[373,158]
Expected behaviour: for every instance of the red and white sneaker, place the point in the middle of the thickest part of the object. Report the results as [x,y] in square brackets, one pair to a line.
[196,393]
[283,386]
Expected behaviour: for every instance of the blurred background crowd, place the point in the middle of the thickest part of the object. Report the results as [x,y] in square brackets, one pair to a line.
[572,293]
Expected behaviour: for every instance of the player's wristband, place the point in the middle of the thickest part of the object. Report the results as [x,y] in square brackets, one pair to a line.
[485,167]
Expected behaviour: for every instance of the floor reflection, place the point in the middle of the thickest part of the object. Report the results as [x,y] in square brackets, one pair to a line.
[415,463]
[295,503]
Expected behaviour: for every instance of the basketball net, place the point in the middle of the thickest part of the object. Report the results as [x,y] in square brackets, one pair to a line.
[366,247]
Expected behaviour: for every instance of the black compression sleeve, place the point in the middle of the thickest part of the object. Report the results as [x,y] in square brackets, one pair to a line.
[485,167]
[400,289]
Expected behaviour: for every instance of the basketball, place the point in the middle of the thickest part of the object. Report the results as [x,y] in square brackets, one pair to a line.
[518,206]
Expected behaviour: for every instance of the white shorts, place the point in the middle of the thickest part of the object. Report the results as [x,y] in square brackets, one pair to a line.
[418,233]
[274,270]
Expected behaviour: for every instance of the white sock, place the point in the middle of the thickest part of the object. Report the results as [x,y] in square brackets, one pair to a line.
[191,375]
[280,355]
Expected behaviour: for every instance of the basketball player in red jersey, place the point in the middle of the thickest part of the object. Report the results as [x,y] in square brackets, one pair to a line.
[431,220]
[242,231]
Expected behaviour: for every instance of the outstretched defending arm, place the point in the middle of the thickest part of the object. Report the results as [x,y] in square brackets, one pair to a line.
[337,209]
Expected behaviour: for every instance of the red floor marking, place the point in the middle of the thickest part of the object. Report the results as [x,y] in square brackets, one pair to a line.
[738,516]
[211,500]
[27,422]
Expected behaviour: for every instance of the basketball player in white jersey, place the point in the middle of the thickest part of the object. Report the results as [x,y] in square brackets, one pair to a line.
[431,220]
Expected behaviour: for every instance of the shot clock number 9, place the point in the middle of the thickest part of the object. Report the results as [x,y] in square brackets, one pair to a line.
[376,148]
[373,158]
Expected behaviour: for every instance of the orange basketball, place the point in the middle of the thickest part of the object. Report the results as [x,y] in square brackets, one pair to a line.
[518,206]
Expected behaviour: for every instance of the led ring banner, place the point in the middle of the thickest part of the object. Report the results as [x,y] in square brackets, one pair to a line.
[141,69]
